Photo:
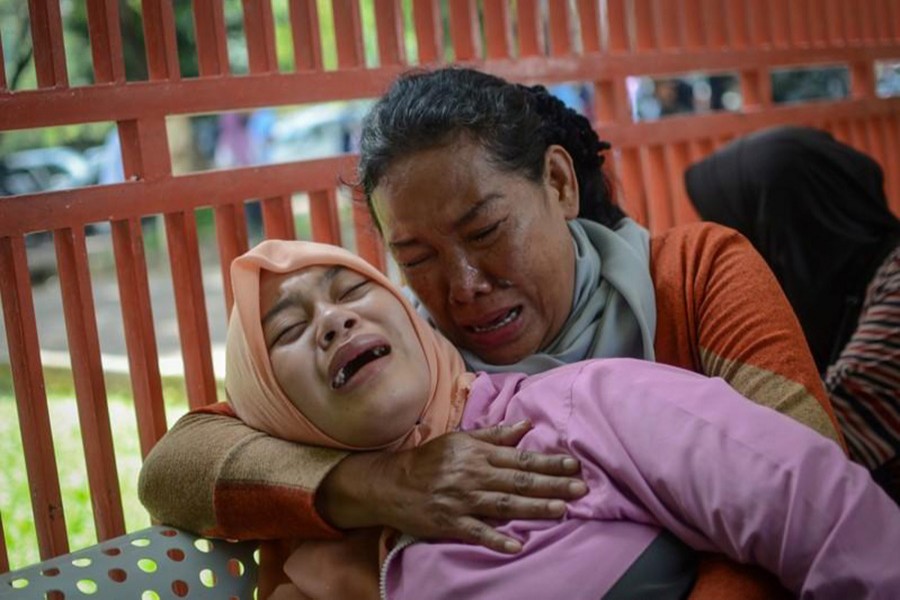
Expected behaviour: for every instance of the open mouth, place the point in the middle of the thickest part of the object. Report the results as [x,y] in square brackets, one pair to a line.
[346,372]
[501,321]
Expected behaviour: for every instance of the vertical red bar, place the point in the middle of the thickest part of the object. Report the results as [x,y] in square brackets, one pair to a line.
[323,215]
[529,30]
[348,33]
[106,40]
[31,398]
[389,23]
[633,198]
[737,18]
[693,25]
[760,32]
[716,27]
[589,17]
[677,160]
[90,389]
[617,18]
[145,148]
[209,28]
[834,23]
[368,242]
[653,169]
[780,19]
[429,32]
[4,556]
[259,28]
[862,79]
[852,29]
[756,89]
[140,341]
[644,25]
[893,11]
[464,30]
[278,218]
[669,17]
[867,20]
[3,83]
[890,125]
[305,32]
[159,39]
[818,23]
[859,135]
[231,235]
[47,41]
[883,23]
[497,34]
[798,25]
[560,37]
[193,327]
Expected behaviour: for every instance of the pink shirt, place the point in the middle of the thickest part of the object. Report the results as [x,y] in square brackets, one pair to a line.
[661,447]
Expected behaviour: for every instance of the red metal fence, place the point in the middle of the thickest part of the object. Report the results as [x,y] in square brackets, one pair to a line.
[600,42]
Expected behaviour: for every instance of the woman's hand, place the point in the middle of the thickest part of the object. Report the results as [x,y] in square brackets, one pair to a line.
[448,486]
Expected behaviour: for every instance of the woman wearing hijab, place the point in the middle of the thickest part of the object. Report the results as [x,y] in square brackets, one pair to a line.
[816,210]
[322,349]
[492,199]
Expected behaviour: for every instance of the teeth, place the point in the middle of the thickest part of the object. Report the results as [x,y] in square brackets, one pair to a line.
[340,379]
[505,321]
[342,375]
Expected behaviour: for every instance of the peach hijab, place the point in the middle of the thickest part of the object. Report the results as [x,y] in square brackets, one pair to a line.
[251,386]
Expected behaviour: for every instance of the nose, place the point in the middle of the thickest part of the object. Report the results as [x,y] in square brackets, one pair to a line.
[466,280]
[335,323]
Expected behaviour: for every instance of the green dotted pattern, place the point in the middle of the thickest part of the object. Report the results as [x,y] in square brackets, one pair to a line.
[151,564]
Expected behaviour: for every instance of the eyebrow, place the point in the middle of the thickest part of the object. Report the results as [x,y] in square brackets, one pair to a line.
[287,300]
[467,217]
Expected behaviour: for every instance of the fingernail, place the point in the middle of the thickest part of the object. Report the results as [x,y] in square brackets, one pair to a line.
[512,546]
[578,488]
[557,506]
[570,463]
[523,423]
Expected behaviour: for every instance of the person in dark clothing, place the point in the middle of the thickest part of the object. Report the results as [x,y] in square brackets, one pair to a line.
[815,208]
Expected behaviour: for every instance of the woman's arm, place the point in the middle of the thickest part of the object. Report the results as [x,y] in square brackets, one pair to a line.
[212,474]
[723,314]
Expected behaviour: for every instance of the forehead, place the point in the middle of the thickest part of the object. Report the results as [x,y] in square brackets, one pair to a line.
[307,279]
[440,187]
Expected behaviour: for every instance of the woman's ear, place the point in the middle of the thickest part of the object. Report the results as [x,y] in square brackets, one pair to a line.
[560,178]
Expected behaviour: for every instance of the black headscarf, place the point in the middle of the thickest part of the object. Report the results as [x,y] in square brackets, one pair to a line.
[815,209]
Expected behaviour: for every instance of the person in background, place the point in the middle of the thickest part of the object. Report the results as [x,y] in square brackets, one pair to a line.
[492,199]
[816,210]
[324,350]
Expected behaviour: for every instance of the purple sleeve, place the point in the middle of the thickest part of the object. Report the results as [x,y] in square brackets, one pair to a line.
[725,474]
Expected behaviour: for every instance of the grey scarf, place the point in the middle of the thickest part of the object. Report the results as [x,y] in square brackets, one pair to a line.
[614,307]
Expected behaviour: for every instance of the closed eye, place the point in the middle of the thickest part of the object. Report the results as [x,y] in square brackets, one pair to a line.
[484,233]
[412,263]
[355,291]
[289,334]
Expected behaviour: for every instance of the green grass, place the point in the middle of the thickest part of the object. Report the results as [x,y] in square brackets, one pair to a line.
[15,504]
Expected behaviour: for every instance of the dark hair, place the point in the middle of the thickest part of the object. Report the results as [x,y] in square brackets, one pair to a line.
[514,123]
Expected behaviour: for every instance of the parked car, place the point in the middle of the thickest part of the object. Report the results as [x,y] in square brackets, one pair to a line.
[43,169]
[316,131]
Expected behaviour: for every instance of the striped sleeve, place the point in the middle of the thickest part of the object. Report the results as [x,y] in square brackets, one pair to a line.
[864,383]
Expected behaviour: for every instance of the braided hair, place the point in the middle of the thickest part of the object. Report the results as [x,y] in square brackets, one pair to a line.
[514,123]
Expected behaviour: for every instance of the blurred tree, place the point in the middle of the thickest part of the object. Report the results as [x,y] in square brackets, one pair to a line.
[17,48]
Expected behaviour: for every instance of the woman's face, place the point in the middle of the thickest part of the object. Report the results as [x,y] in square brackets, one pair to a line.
[343,349]
[487,251]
